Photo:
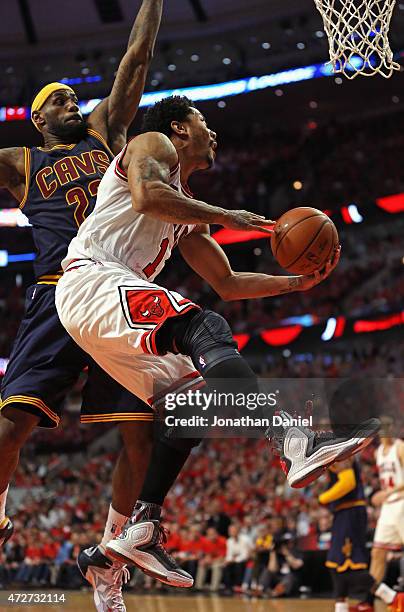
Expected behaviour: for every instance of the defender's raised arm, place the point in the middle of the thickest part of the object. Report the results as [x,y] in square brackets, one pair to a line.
[112,117]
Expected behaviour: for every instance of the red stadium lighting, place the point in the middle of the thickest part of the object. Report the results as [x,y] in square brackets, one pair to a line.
[242,340]
[16,113]
[346,215]
[228,236]
[281,335]
[392,204]
[339,329]
[363,326]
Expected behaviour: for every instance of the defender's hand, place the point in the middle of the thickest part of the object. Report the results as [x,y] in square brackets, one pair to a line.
[311,280]
[245,220]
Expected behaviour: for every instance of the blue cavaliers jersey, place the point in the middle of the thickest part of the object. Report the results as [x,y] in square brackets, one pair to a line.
[61,189]
[356,497]
[349,530]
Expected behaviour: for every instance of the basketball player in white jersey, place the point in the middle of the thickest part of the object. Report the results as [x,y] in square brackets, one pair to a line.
[389,534]
[153,340]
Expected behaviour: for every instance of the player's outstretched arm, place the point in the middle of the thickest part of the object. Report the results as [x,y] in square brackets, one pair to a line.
[12,171]
[208,259]
[114,115]
[148,160]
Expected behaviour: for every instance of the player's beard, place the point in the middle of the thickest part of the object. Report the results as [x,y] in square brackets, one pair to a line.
[68,132]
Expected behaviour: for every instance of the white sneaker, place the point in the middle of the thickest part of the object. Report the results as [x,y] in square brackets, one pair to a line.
[106,577]
[305,454]
[141,543]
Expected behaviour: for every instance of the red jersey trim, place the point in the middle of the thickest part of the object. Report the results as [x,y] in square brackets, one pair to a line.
[119,171]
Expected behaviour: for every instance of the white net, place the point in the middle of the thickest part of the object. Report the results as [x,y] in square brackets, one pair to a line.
[357,33]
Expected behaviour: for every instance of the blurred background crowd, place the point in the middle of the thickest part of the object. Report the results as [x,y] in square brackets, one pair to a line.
[233,522]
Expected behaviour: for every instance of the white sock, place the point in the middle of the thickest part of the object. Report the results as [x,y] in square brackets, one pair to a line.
[385,593]
[341,606]
[3,498]
[113,527]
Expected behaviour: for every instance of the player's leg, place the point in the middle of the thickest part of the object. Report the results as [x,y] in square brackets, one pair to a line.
[119,300]
[15,427]
[340,589]
[378,563]
[201,335]
[106,401]
[107,577]
[388,536]
[207,338]
[175,325]
[129,472]
[167,460]
[383,535]
[41,365]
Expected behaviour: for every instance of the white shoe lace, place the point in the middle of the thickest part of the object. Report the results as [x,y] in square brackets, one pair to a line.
[121,576]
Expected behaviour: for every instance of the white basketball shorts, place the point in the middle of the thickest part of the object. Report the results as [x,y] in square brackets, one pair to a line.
[389,533]
[114,316]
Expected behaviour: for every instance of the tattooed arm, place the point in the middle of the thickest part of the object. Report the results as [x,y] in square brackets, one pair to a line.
[148,160]
[208,259]
[112,117]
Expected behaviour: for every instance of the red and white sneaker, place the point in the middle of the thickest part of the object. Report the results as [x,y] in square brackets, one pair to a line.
[141,543]
[306,454]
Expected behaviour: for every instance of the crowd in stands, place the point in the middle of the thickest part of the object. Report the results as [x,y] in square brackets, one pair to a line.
[337,163]
[233,522]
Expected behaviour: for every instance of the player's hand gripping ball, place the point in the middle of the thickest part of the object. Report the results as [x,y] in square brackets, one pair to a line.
[304,240]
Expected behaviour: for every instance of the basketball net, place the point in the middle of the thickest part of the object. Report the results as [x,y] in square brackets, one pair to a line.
[357,33]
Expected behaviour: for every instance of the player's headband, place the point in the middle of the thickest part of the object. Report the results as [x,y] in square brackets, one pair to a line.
[44,94]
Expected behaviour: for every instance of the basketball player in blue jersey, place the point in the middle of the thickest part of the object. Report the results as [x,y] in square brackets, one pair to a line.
[56,185]
[347,557]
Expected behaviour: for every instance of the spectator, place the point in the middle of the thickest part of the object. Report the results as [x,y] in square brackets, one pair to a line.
[238,553]
[284,568]
[212,559]
[218,519]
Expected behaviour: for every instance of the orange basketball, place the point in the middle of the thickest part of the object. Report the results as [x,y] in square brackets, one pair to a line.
[303,240]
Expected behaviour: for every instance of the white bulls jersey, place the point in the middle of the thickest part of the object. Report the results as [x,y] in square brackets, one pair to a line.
[115,232]
[391,472]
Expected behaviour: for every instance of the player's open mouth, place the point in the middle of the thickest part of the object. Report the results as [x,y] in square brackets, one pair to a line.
[74,118]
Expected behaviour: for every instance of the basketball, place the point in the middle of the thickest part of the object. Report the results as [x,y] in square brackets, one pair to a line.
[303,240]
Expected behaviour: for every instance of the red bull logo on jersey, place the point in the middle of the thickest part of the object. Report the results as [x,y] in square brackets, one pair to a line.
[154,307]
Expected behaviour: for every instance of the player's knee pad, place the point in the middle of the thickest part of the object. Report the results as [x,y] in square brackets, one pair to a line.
[203,335]
[208,340]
